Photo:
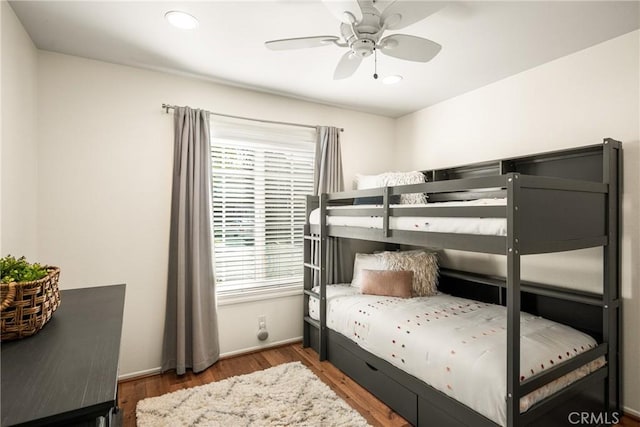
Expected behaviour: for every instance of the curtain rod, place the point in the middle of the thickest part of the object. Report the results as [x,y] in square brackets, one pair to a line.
[168,107]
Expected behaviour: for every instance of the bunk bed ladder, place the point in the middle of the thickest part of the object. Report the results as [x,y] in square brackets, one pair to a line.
[310,241]
[309,269]
[315,254]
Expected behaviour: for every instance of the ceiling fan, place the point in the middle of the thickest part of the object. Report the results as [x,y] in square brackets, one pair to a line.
[362,27]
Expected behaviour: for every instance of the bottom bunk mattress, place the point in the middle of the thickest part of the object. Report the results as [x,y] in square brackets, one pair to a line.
[456,345]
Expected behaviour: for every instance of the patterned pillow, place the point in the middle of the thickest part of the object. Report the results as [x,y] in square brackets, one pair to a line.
[390,179]
[424,266]
[387,283]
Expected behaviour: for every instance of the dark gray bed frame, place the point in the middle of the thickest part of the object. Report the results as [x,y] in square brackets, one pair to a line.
[556,201]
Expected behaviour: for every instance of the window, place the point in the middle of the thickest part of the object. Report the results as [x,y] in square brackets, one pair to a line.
[261,174]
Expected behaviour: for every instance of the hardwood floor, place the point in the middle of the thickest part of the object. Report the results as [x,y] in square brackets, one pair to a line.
[376,412]
[627,421]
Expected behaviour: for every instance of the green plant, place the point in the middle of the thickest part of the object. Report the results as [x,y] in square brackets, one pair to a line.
[19,270]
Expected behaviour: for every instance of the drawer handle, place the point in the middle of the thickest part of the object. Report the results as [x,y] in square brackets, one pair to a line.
[373,368]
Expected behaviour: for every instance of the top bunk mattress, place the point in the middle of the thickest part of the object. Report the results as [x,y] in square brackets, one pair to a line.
[464,225]
[455,345]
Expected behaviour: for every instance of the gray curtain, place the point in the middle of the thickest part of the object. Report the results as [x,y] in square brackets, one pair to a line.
[328,179]
[191,324]
[328,171]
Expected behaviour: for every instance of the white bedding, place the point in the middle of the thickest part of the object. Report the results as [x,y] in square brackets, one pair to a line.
[485,226]
[456,345]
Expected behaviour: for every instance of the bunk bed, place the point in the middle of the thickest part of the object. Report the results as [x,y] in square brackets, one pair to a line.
[550,202]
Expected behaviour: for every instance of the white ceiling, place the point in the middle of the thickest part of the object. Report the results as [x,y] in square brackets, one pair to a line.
[482,42]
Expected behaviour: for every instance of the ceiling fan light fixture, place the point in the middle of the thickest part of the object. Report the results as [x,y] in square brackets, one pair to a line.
[392,80]
[181,20]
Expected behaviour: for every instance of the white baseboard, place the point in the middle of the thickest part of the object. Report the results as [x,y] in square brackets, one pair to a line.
[260,347]
[155,371]
[138,374]
[630,411]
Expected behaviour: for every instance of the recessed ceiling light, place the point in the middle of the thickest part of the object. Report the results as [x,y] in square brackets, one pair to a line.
[391,80]
[181,20]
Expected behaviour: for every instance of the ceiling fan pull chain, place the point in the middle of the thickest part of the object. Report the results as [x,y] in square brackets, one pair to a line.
[375,63]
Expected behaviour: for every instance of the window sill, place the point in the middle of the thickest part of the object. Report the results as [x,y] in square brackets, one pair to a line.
[240,297]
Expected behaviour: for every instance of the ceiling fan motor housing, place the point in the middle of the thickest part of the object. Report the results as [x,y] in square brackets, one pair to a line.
[366,32]
[363,47]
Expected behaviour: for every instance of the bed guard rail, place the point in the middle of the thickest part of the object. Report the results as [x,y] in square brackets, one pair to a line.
[554,214]
[466,184]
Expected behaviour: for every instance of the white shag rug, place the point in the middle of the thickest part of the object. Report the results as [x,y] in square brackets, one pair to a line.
[285,395]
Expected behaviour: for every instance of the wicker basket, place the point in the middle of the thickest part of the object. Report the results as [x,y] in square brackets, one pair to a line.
[26,306]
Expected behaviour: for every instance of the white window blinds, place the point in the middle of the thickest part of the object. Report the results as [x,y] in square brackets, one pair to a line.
[261,174]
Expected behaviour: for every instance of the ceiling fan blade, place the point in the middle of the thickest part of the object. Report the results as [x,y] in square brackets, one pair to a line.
[411,48]
[402,13]
[348,65]
[338,8]
[301,42]
[365,4]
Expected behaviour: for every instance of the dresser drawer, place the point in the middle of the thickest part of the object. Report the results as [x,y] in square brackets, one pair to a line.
[402,400]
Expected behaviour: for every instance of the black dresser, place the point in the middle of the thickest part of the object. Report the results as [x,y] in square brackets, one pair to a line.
[67,374]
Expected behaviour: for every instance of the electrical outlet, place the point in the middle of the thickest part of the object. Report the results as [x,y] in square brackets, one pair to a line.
[262,322]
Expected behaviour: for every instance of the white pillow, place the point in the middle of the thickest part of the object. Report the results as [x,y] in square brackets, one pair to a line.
[368,181]
[365,262]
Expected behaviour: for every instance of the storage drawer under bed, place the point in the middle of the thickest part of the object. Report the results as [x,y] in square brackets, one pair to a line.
[435,409]
[365,373]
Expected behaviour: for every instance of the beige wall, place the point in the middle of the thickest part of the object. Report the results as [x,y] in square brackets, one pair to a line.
[576,100]
[105,178]
[18,143]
